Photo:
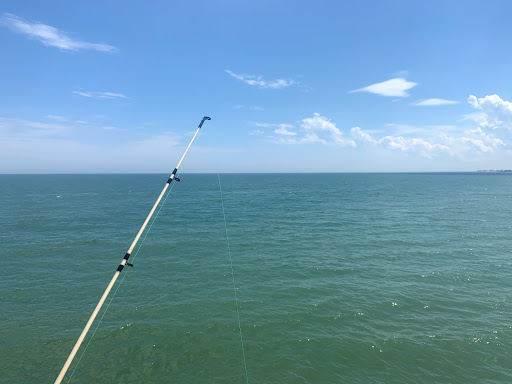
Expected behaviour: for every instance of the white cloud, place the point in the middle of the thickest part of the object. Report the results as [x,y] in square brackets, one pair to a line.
[435,102]
[495,113]
[493,133]
[397,87]
[400,143]
[319,129]
[469,145]
[259,82]
[50,36]
[101,95]
[364,137]
[256,132]
[280,129]
[283,130]
[316,129]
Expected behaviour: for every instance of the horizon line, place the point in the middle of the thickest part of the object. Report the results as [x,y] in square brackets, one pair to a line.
[256,173]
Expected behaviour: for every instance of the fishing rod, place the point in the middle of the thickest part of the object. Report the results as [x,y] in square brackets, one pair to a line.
[124,262]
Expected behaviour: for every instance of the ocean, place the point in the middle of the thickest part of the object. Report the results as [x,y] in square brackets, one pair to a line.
[340,278]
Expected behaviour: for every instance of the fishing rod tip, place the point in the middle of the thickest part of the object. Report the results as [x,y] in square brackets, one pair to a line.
[204,119]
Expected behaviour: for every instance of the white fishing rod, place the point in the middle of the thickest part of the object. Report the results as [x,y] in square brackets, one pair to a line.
[124,262]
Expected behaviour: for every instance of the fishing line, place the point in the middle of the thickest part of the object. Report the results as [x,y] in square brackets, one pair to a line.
[233,277]
[120,282]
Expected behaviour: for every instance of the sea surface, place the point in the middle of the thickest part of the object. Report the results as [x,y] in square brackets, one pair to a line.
[340,278]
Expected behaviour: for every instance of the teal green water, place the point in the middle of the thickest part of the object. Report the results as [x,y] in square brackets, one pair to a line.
[342,278]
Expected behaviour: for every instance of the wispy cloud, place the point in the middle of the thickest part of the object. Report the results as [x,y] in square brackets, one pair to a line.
[51,36]
[110,128]
[280,129]
[64,119]
[424,130]
[397,87]
[251,107]
[259,82]
[28,129]
[57,117]
[101,95]
[435,102]
[401,73]
[33,146]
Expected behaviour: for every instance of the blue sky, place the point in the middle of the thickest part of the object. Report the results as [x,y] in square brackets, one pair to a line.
[291,86]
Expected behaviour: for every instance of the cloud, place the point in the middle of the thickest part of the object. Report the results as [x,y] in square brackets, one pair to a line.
[57,117]
[435,102]
[400,143]
[397,87]
[252,107]
[51,36]
[101,95]
[494,112]
[492,133]
[402,73]
[33,146]
[466,146]
[425,130]
[316,129]
[26,129]
[283,130]
[259,82]
[319,129]
[64,119]
[110,128]
[280,129]
[50,155]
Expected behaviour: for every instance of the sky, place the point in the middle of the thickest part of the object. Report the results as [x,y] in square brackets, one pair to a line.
[291,86]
